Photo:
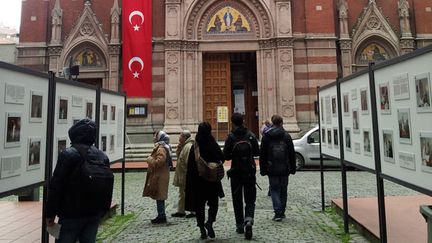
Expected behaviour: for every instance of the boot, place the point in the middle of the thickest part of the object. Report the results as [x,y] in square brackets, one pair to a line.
[159,220]
[209,227]
[248,231]
[203,233]
[240,229]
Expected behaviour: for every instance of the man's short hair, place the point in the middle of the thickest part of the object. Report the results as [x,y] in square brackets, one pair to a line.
[186,134]
[237,119]
[277,120]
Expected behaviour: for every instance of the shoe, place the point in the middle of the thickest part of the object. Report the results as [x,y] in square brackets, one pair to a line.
[178,215]
[159,220]
[203,233]
[240,230]
[248,231]
[277,217]
[191,215]
[210,231]
[283,215]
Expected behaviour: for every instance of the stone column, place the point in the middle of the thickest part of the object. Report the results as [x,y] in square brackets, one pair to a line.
[267,98]
[114,66]
[346,56]
[191,93]
[406,43]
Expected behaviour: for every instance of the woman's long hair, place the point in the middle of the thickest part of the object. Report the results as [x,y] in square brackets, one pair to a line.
[209,148]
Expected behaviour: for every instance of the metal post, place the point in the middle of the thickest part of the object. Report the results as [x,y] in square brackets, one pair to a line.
[124,159]
[342,158]
[48,151]
[321,157]
[97,114]
[377,157]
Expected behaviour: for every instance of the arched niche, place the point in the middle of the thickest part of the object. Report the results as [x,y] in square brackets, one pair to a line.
[374,49]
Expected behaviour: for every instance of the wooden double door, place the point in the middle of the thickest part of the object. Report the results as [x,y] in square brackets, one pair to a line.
[229,79]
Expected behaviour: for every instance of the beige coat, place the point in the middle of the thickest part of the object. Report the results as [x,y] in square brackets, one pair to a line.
[181,166]
[156,185]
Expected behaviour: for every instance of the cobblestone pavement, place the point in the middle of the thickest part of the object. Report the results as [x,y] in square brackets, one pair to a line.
[304,222]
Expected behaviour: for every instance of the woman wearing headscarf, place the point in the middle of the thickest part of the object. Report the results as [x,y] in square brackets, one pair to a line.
[159,164]
[199,191]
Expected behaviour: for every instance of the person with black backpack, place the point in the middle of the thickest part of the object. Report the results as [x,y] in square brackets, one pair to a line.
[277,160]
[81,187]
[241,146]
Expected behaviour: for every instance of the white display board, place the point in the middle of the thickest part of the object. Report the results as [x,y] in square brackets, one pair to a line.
[357,121]
[23,127]
[111,132]
[329,129]
[73,102]
[404,105]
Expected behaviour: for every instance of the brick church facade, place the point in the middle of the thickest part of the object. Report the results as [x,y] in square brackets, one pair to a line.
[258,57]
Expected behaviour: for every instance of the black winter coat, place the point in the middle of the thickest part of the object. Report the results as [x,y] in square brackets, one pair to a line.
[276,133]
[197,188]
[62,199]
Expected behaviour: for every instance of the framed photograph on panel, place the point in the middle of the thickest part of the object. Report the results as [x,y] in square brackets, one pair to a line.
[348,139]
[407,161]
[322,109]
[333,106]
[61,145]
[364,101]
[111,144]
[329,137]
[335,137]
[63,110]
[328,113]
[388,146]
[10,166]
[384,99]
[401,87]
[104,113]
[423,92]
[404,124]
[34,152]
[89,110]
[14,94]
[77,101]
[104,143]
[113,113]
[13,130]
[357,148]
[426,151]
[355,117]
[367,142]
[346,104]
[323,135]
[354,94]
[36,99]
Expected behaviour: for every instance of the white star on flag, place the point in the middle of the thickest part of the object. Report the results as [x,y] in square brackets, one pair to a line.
[136,28]
[136,74]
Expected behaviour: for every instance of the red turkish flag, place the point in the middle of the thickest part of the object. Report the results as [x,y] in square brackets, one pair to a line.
[137,47]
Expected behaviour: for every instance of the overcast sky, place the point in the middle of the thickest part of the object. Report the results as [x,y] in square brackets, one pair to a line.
[10,13]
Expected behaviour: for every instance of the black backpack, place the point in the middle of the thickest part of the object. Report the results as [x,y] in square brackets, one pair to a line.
[243,162]
[278,157]
[94,183]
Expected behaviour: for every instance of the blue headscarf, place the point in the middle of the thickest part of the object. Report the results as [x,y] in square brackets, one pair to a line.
[163,139]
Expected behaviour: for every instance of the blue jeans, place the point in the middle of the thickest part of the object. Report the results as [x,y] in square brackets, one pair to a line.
[160,204]
[279,191]
[82,229]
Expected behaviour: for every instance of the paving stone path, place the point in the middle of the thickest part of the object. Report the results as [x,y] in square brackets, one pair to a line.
[304,222]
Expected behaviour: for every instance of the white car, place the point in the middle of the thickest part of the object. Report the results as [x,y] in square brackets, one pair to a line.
[306,146]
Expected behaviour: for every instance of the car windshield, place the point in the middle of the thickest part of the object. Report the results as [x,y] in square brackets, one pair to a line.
[302,133]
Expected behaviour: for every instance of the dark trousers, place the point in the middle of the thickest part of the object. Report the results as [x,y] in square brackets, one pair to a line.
[243,186]
[213,203]
[82,229]
[279,192]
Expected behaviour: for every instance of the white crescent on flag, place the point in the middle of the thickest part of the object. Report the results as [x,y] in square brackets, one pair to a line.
[136,59]
[138,13]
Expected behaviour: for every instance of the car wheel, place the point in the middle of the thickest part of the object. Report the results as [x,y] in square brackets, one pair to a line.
[299,161]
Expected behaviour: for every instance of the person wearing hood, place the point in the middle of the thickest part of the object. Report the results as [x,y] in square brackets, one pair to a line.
[157,180]
[277,160]
[183,149]
[200,191]
[78,217]
[241,146]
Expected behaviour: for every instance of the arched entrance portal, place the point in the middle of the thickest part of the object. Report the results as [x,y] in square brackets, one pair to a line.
[229,80]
